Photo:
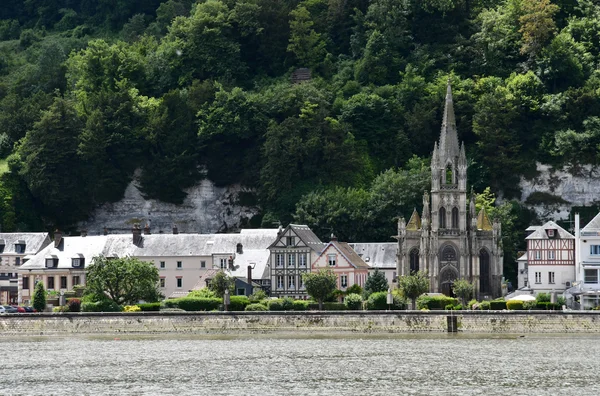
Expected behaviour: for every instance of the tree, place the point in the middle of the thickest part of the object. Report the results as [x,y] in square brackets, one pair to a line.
[220,283]
[464,290]
[125,280]
[413,285]
[537,25]
[376,282]
[307,45]
[320,285]
[39,297]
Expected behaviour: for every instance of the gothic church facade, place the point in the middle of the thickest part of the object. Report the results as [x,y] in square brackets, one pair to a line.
[450,240]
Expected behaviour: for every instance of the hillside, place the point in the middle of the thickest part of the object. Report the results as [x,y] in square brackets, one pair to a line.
[91,91]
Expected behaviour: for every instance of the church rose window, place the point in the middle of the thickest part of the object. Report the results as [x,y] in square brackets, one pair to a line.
[449,254]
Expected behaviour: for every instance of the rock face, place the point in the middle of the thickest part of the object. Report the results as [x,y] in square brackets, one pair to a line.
[206,209]
[553,192]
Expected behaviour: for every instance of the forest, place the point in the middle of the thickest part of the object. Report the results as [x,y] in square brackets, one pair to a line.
[92,91]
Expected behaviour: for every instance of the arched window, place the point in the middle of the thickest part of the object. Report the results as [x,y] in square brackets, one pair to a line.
[442,218]
[484,272]
[449,174]
[414,260]
[448,254]
[454,217]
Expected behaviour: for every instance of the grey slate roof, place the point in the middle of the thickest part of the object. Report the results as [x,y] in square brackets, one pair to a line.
[377,255]
[593,225]
[258,258]
[34,241]
[89,247]
[308,236]
[540,233]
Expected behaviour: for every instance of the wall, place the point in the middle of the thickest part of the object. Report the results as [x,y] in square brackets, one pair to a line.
[267,322]
[206,209]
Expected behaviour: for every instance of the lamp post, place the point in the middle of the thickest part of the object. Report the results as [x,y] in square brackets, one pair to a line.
[390,299]
[226,299]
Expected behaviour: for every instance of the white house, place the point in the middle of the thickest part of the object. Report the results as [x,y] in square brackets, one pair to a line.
[588,262]
[550,259]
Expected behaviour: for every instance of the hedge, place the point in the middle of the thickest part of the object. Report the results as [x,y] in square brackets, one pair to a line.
[256,307]
[281,304]
[146,307]
[497,305]
[435,302]
[514,305]
[194,304]
[238,303]
[300,305]
[548,306]
[100,306]
[378,301]
[353,302]
[327,306]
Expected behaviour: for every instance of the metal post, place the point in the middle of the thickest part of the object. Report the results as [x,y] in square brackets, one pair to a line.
[226,299]
[390,299]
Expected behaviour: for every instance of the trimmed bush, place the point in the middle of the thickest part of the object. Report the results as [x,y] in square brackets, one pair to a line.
[300,305]
[484,305]
[148,307]
[435,302]
[327,306]
[256,307]
[378,301]
[497,305]
[63,308]
[275,305]
[194,304]
[238,303]
[74,304]
[353,302]
[131,308]
[100,306]
[542,297]
[514,305]
[529,305]
[548,306]
[471,303]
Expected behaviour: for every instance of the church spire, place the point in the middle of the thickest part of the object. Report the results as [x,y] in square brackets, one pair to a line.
[449,148]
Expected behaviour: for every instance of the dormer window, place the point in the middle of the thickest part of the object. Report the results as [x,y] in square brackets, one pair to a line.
[550,233]
[78,261]
[2,244]
[51,262]
[20,247]
[239,248]
[289,241]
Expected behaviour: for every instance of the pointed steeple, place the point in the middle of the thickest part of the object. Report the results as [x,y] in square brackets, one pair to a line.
[434,157]
[462,158]
[449,148]
[414,224]
[483,222]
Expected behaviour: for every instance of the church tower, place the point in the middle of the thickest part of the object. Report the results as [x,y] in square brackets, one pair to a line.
[450,241]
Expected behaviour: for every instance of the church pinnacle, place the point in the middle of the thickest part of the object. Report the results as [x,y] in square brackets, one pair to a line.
[449,147]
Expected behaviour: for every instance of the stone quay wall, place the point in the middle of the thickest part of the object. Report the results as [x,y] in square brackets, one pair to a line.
[508,322]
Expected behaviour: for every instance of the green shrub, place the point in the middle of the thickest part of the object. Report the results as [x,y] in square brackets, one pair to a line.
[560,300]
[327,306]
[256,307]
[238,303]
[354,289]
[258,296]
[529,305]
[548,306]
[202,293]
[458,307]
[194,304]
[449,307]
[497,305]
[62,308]
[378,301]
[275,305]
[471,303]
[353,302]
[435,302]
[514,305]
[147,307]
[100,306]
[542,297]
[484,305]
[131,308]
[74,304]
[300,305]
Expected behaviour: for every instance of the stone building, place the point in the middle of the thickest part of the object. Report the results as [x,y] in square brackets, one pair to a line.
[450,240]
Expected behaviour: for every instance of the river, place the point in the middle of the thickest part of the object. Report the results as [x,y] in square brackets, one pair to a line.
[291,365]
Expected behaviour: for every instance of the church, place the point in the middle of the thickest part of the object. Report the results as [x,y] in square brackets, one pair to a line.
[450,241]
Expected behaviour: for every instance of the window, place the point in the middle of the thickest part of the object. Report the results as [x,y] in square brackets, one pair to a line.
[50,283]
[525,282]
[302,260]
[17,260]
[454,217]
[449,174]
[162,265]
[595,250]
[448,254]
[49,262]
[179,265]
[551,255]
[279,282]
[20,248]
[300,283]
[63,282]
[223,263]
[550,277]
[331,260]
[179,283]
[241,291]
[162,282]
[25,283]
[279,260]
[414,260]
[289,241]
[202,264]
[291,282]
[291,260]
[590,276]
[344,281]
[538,255]
[538,277]
[485,285]
[239,248]
[442,216]
[76,280]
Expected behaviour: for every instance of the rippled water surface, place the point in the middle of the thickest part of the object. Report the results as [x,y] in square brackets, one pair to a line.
[258,365]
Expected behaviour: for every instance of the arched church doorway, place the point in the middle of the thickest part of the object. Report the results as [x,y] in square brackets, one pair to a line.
[447,278]
[484,272]
[449,269]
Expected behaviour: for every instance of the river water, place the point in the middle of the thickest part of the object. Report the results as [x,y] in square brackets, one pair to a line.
[288,364]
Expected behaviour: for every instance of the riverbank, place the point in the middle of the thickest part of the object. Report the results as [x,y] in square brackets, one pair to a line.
[508,322]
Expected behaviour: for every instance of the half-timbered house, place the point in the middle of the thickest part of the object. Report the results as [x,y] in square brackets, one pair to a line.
[291,255]
[550,259]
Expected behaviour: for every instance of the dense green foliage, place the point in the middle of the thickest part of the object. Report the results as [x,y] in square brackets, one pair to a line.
[378,301]
[498,304]
[178,90]
[376,282]
[221,282]
[320,285]
[514,305]
[435,302]
[463,289]
[238,303]
[256,307]
[413,285]
[39,297]
[353,301]
[194,303]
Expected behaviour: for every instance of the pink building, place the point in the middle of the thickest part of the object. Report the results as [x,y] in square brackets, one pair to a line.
[345,263]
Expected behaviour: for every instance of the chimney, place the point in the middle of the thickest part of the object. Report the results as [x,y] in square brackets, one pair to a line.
[175,230]
[250,275]
[239,249]
[83,233]
[105,232]
[57,238]
[333,237]
[147,229]
[137,234]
